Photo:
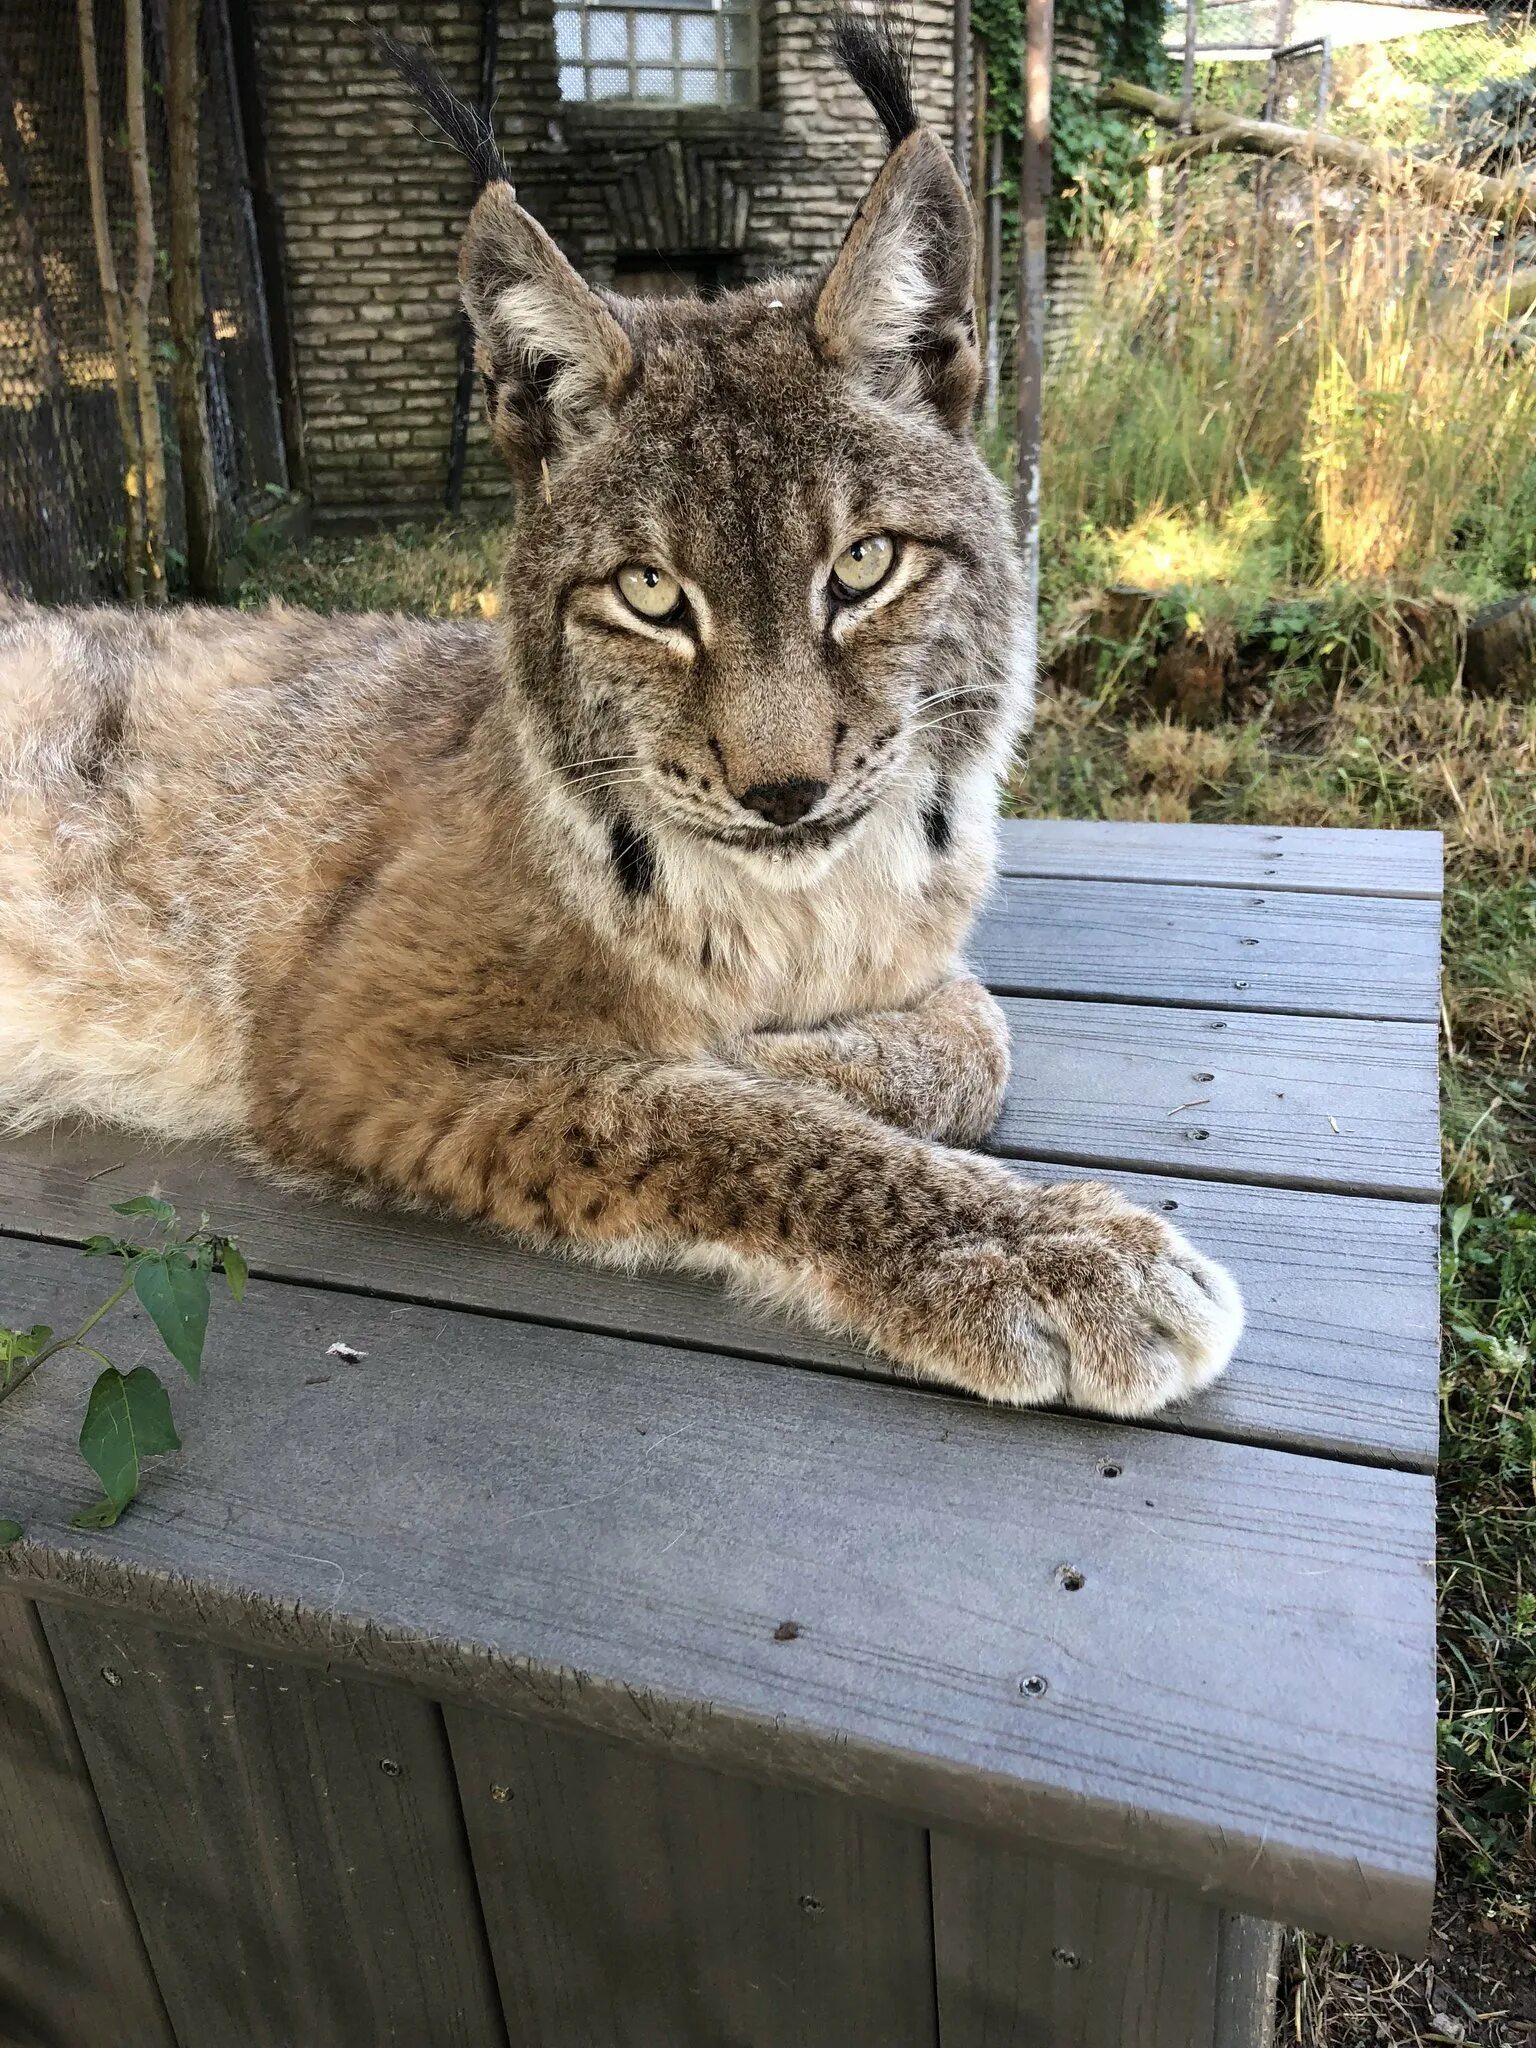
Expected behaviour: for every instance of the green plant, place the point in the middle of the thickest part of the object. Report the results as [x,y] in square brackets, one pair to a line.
[1339,400]
[128,1415]
[1094,152]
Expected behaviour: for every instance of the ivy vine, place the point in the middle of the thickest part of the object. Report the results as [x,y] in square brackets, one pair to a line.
[1093,150]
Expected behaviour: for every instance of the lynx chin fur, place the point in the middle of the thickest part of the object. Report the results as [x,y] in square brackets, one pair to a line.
[632,922]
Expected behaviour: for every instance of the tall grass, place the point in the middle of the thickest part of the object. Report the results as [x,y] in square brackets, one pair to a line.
[1334,383]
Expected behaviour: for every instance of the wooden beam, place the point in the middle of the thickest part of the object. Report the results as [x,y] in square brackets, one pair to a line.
[1502,199]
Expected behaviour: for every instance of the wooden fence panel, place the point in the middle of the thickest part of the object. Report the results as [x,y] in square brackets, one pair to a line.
[292,1844]
[72,1964]
[636,1902]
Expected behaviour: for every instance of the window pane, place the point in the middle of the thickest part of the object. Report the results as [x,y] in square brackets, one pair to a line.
[573,82]
[738,86]
[653,37]
[700,89]
[608,35]
[657,85]
[608,82]
[567,32]
[700,37]
[738,39]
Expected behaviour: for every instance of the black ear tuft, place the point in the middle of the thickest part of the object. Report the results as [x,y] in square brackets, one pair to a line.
[876,53]
[466,128]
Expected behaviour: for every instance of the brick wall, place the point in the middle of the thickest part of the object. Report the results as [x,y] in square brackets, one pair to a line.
[373,206]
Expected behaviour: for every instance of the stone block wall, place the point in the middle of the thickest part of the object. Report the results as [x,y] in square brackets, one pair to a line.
[373,205]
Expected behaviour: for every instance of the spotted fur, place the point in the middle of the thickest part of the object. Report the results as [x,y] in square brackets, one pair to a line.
[477,917]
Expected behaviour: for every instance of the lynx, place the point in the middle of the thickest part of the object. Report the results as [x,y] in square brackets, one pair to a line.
[632,921]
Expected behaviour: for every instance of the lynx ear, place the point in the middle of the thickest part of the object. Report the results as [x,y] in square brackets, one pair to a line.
[553,356]
[897,304]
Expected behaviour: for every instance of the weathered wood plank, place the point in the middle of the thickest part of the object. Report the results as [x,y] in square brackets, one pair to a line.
[634,1902]
[1340,1351]
[1318,956]
[1031,1950]
[1260,858]
[292,1843]
[1303,1102]
[1239,1694]
[72,1962]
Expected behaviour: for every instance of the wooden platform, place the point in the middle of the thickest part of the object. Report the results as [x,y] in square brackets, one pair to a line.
[448,1696]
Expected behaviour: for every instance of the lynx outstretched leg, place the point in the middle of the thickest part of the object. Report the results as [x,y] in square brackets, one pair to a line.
[945,1261]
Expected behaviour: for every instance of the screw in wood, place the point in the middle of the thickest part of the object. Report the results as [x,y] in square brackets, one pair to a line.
[1034,1686]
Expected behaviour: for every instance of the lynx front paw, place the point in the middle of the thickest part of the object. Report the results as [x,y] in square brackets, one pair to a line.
[1072,1295]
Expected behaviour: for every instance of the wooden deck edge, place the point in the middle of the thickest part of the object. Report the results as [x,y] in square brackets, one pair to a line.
[1244,1872]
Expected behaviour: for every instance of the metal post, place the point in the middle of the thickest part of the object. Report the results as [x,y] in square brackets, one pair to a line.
[1186,110]
[962,64]
[490,37]
[1324,82]
[270,264]
[1285,14]
[1034,186]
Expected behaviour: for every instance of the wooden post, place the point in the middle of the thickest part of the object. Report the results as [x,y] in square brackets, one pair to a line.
[139,304]
[962,69]
[993,369]
[1034,186]
[112,304]
[490,37]
[189,314]
[978,180]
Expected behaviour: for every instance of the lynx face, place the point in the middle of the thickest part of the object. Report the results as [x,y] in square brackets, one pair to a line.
[761,583]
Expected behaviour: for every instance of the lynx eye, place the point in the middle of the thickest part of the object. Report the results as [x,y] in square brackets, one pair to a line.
[649,591]
[865,565]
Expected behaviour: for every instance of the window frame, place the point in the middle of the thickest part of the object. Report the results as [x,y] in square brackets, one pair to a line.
[744,13]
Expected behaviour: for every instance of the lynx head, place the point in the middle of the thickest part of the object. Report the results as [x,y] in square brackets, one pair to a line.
[760,581]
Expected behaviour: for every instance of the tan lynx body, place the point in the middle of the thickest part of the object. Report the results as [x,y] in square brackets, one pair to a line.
[637,925]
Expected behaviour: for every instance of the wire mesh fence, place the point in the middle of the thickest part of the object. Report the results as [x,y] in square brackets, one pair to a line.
[62,463]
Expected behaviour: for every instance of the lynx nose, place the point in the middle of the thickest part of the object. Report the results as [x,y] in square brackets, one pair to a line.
[784,803]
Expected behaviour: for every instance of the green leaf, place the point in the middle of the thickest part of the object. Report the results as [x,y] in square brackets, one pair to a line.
[102,1247]
[147,1205]
[24,1343]
[176,1296]
[236,1272]
[10,1532]
[127,1419]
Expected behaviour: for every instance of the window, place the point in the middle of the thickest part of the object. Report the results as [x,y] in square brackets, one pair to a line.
[673,53]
